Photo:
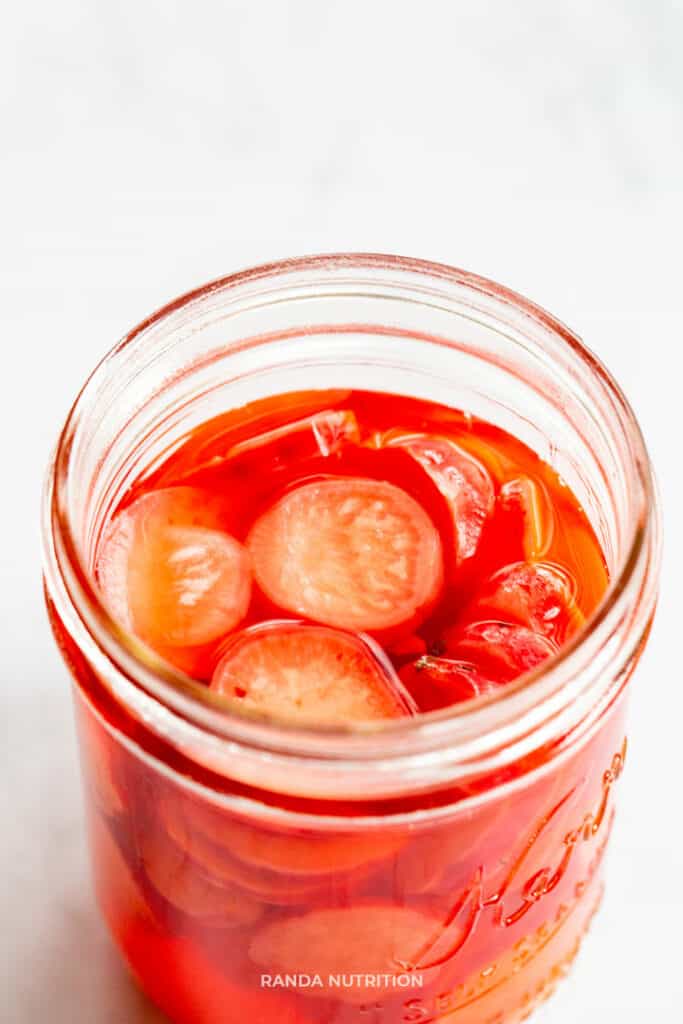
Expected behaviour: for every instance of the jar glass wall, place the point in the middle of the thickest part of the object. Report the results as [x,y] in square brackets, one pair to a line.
[463,848]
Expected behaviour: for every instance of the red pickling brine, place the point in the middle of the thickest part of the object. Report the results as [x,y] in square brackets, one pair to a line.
[418,536]
[296,808]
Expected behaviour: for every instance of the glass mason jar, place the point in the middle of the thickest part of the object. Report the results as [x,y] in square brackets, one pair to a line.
[439,868]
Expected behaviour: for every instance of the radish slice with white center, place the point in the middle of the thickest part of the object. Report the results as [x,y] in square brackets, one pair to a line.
[169,574]
[310,675]
[351,552]
[463,481]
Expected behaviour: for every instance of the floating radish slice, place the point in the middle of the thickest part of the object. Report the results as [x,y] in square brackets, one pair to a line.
[437,683]
[264,886]
[463,481]
[365,940]
[169,573]
[189,586]
[178,880]
[310,855]
[441,861]
[301,856]
[261,881]
[195,830]
[540,595]
[529,499]
[504,650]
[351,552]
[309,674]
[427,860]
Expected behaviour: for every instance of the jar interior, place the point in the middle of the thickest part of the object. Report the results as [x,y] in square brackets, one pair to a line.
[369,323]
[222,350]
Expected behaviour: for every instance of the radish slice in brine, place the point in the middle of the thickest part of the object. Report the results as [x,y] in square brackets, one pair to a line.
[350,552]
[437,683]
[310,675]
[539,595]
[503,650]
[463,481]
[177,879]
[269,855]
[170,574]
[529,499]
[377,940]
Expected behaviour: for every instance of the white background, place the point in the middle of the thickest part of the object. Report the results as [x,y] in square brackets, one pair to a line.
[147,147]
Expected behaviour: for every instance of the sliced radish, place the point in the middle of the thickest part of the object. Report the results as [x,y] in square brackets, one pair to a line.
[351,552]
[178,879]
[529,499]
[463,481]
[310,855]
[170,574]
[504,650]
[376,939]
[441,861]
[540,595]
[186,824]
[309,674]
[189,586]
[437,683]
[304,857]
[264,886]
[272,867]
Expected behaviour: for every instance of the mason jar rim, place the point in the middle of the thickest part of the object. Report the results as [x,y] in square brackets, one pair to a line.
[487,732]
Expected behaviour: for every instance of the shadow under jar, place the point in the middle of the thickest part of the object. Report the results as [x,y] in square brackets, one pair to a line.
[441,867]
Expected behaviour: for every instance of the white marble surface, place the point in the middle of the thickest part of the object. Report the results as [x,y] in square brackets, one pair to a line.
[148,147]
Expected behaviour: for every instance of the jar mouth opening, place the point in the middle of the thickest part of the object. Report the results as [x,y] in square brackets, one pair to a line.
[521,707]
